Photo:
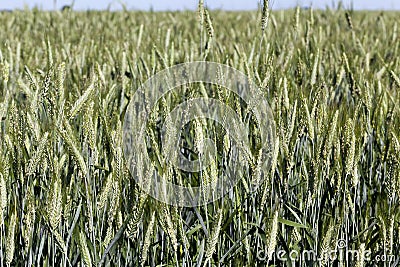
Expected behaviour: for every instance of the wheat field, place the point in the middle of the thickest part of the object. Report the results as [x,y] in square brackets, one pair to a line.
[67,197]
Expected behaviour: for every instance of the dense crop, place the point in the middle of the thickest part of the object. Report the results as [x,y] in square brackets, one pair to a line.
[66,197]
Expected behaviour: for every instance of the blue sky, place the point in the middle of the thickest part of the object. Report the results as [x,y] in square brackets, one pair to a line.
[191,4]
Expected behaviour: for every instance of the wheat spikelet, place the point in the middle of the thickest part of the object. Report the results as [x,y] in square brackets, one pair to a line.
[81,101]
[310,124]
[292,121]
[119,165]
[146,180]
[213,175]
[10,245]
[25,88]
[4,105]
[169,226]
[295,236]
[350,161]
[9,143]
[226,144]
[383,225]
[390,181]
[285,94]
[45,164]
[311,15]
[299,72]
[390,240]
[18,58]
[49,54]
[68,137]
[90,213]
[54,203]
[170,131]
[68,204]
[238,108]
[329,144]
[213,238]
[33,126]
[5,71]
[246,244]
[350,76]
[60,241]
[361,256]
[109,236]
[137,212]
[13,123]
[368,98]
[38,155]
[360,46]
[222,92]
[205,185]
[172,54]
[29,218]
[154,143]
[199,137]
[32,80]
[45,95]
[264,15]
[394,36]
[296,21]
[200,12]
[100,74]
[160,57]
[181,190]
[315,69]
[209,27]
[350,145]
[147,239]
[397,155]
[395,78]
[114,201]
[350,201]
[116,141]
[326,245]
[257,172]
[59,164]
[89,129]
[338,167]
[185,240]
[103,196]
[3,198]
[60,78]
[85,253]
[139,40]
[153,60]
[167,41]
[349,21]
[273,236]
[334,179]
[112,92]
[274,164]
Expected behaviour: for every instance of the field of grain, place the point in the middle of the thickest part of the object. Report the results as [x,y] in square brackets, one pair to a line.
[67,198]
